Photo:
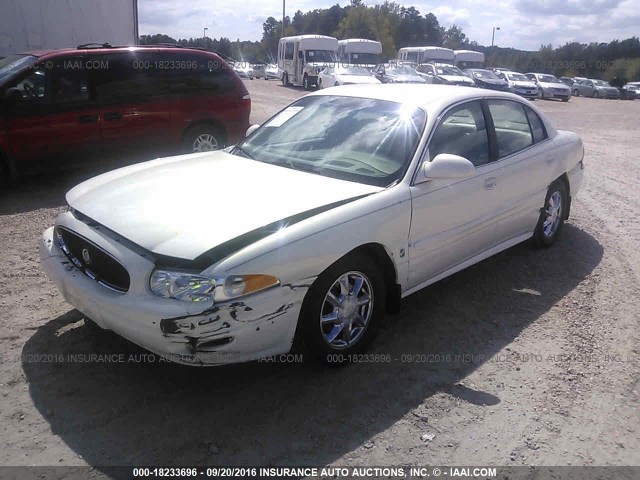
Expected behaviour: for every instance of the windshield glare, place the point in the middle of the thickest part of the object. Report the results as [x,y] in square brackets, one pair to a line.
[353,71]
[601,83]
[15,63]
[449,71]
[485,74]
[518,77]
[548,79]
[355,139]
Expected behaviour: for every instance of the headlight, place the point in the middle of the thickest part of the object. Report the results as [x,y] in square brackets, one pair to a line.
[190,287]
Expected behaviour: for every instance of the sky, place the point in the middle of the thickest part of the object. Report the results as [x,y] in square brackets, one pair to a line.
[524,24]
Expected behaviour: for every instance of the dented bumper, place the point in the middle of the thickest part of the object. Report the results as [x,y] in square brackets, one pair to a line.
[247,329]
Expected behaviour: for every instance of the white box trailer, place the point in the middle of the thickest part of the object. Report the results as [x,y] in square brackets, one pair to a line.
[420,55]
[469,59]
[359,51]
[302,57]
[46,24]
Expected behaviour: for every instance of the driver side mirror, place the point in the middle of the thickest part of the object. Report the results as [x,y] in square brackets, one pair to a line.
[300,55]
[251,129]
[445,166]
[12,97]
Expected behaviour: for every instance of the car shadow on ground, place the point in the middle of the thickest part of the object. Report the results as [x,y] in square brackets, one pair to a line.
[141,412]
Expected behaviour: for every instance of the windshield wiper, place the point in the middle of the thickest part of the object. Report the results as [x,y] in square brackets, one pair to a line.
[242,152]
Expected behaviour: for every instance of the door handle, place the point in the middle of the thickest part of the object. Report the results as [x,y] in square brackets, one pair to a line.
[87,118]
[112,116]
[490,183]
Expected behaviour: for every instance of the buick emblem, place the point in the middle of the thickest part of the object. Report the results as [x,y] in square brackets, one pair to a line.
[86,257]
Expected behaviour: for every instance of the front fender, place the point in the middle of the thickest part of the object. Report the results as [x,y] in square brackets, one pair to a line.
[299,253]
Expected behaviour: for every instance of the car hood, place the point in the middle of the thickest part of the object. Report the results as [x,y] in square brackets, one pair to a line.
[357,79]
[457,79]
[554,85]
[523,84]
[493,81]
[184,206]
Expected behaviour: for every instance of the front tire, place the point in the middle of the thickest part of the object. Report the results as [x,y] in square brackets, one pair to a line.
[342,309]
[305,83]
[552,215]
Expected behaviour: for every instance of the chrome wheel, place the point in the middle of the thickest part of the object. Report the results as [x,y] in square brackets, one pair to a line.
[346,310]
[553,214]
[205,142]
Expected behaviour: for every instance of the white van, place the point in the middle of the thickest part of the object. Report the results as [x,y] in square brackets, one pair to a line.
[419,55]
[302,57]
[359,51]
[469,59]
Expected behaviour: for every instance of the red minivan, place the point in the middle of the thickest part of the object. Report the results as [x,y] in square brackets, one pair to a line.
[68,105]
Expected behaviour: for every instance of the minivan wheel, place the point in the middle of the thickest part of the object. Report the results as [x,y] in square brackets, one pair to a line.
[203,138]
[552,215]
[342,309]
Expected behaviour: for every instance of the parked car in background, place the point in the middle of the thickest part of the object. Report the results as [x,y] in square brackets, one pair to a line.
[567,81]
[520,84]
[345,75]
[487,79]
[267,71]
[367,194]
[444,74]
[243,69]
[630,91]
[595,89]
[61,107]
[550,87]
[397,72]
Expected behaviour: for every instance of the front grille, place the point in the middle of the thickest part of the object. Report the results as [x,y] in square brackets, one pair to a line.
[93,261]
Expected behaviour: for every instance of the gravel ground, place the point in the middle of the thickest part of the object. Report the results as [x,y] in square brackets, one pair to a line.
[528,358]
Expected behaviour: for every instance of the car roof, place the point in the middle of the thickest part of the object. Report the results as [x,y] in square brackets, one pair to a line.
[426,96]
[140,48]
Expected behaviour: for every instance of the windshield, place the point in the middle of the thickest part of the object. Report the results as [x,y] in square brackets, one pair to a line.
[517,77]
[15,63]
[548,79]
[353,71]
[361,140]
[319,56]
[400,70]
[601,83]
[365,58]
[485,74]
[450,71]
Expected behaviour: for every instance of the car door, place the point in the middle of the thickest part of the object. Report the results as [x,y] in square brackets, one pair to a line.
[58,117]
[454,220]
[525,161]
[133,98]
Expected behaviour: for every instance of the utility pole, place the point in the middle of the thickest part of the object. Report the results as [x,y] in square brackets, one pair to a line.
[283,10]
[493,35]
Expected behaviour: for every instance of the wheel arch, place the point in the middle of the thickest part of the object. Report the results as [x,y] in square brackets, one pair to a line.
[378,253]
[212,122]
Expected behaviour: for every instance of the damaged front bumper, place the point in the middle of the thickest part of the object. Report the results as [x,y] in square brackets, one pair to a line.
[250,328]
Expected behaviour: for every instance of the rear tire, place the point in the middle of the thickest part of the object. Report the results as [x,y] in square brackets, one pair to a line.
[203,138]
[342,309]
[565,99]
[552,215]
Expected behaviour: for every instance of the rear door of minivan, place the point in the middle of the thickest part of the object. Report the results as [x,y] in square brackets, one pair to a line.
[133,100]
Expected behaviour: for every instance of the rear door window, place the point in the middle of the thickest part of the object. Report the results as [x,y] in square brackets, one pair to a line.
[511,125]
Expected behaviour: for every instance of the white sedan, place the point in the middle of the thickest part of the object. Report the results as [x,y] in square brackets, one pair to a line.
[345,75]
[325,217]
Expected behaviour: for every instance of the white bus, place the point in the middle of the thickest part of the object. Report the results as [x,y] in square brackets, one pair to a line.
[469,59]
[420,55]
[359,51]
[303,57]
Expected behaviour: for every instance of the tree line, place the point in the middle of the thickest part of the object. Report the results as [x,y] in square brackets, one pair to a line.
[396,26]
